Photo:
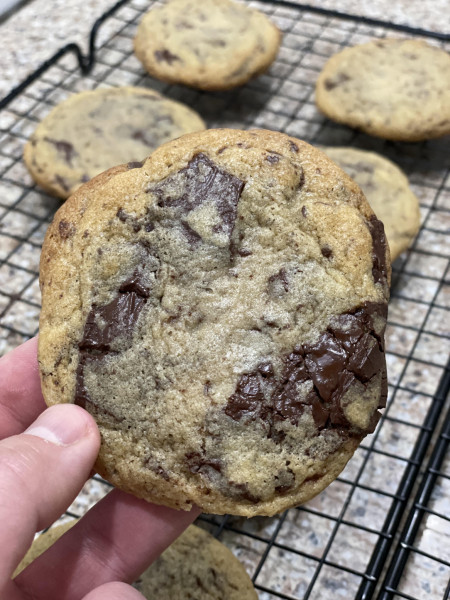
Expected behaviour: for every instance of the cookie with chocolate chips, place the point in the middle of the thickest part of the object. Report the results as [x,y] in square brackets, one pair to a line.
[387,190]
[391,88]
[220,311]
[199,567]
[93,131]
[211,45]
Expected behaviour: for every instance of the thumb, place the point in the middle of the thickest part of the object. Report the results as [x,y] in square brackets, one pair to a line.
[41,472]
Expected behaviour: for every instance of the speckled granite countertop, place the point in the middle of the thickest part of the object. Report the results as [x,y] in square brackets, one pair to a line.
[326,545]
[40,28]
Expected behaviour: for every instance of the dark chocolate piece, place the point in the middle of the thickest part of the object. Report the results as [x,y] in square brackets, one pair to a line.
[338,79]
[380,267]
[349,351]
[327,252]
[63,147]
[106,323]
[202,182]
[61,181]
[135,164]
[142,136]
[66,229]
[165,56]
[278,280]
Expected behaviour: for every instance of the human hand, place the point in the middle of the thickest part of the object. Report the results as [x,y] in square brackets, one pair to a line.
[46,455]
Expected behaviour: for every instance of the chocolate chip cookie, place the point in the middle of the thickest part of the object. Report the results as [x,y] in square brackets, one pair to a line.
[93,131]
[199,567]
[211,45]
[394,89]
[220,311]
[387,189]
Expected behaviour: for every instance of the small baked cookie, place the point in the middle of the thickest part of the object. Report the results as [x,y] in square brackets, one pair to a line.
[220,311]
[387,190]
[394,89]
[93,131]
[43,543]
[211,45]
[198,567]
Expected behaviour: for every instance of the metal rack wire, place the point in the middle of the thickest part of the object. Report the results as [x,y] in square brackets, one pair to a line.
[382,530]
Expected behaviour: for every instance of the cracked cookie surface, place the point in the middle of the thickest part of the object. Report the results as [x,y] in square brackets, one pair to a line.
[390,88]
[199,567]
[211,45]
[387,190]
[220,311]
[95,130]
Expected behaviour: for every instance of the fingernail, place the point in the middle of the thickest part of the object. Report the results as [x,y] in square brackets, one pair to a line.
[63,425]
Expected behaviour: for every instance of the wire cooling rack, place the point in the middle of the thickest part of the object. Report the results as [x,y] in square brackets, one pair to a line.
[382,529]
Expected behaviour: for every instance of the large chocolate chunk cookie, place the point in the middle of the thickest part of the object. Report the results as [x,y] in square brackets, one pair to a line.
[93,131]
[394,89]
[211,45]
[220,311]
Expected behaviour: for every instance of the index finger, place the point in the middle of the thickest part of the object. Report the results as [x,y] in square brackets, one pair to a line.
[21,399]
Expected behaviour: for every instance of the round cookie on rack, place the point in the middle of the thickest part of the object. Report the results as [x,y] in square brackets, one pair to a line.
[199,565]
[391,88]
[95,130]
[211,45]
[387,190]
[220,312]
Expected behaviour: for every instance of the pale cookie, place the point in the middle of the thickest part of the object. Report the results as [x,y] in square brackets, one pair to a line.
[387,190]
[196,567]
[43,543]
[394,89]
[93,131]
[211,45]
[220,311]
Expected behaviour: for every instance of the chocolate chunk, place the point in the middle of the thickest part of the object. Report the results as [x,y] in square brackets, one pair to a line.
[62,182]
[106,323]
[273,158]
[244,252]
[165,56]
[63,147]
[66,229]
[349,351]
[293,146]
[277,281]
[135,164]
[241,491]
[119,317]
[304,212]
[142,136]
[198,463]
[246,402]
[152,464]
[327,252]
[202,182]
[338,79]
[192,236]
[380,267]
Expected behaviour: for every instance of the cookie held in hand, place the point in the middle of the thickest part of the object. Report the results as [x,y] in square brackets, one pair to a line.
[93,131]
[211,45]
[393,89]
[220,311]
